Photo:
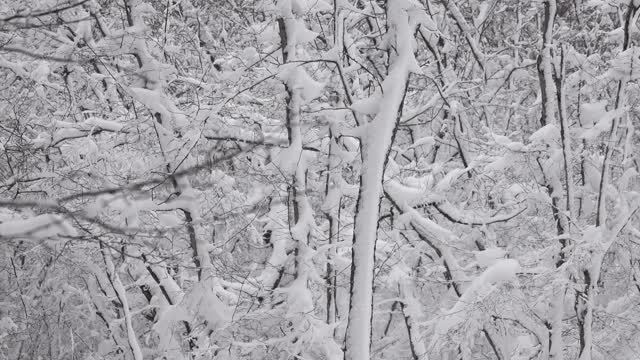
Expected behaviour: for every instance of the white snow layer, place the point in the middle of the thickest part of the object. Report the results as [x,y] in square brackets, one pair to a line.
[38,227]
[500,271]
[489,256]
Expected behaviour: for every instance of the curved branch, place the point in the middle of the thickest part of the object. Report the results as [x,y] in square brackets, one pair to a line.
[453,215]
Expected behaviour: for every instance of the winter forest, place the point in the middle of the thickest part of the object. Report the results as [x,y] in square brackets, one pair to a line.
[319,179]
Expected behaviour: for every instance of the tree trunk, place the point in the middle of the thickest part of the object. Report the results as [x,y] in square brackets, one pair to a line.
[375,145]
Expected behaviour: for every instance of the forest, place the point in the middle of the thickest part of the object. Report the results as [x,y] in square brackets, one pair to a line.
[319,179]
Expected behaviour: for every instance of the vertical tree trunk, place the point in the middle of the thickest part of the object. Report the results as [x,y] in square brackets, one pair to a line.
[591,274]
[121,294]
[545,69]
[333,198]
[375,145]
[550,100]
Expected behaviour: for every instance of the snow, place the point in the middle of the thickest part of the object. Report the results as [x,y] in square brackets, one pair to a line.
[483,13]
[296,31]
[168,318]
[169,220]
[18,69]
[83,31]
[548,134]
[203,301]
[627,178]
[436,234]
[405,194]
[267,33]
[500,271]
[625,66]
[427,141]
[525,347]
[449,179]
[466,30]
[277,223]
[375,145]
[121,294]
[488,257]
[37,227]
[368,106]
[41,73]
[592,112]
[499,163]
[6,324]
[300,34]
[427,257]
[173,290]
[508,143]
[104,124]
[621,304]
[310,89]
[250,55]
[156,74]
[297,78]
[555,316]
[601,120]
[299,298]
[303,7]
[332,199]
[158,103]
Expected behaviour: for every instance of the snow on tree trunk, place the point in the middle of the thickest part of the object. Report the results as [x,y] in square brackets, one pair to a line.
[375,145]
[593,269]
[121,294]
[331,208]
[551,97]
[173,138]
[545,67]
